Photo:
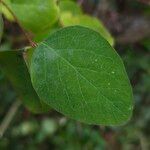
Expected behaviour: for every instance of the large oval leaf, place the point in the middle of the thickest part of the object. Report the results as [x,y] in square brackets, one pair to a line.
[13,65]
[35,15]
[79,74]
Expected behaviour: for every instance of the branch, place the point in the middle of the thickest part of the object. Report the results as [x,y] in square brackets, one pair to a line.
[80,2]
[16,19]
[9,116]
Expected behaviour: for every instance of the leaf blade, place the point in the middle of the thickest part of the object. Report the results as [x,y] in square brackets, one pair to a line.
[41,14]
[70,6]
[13,65]
[75,70]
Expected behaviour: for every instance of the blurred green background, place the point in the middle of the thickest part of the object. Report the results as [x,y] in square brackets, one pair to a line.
[129,23]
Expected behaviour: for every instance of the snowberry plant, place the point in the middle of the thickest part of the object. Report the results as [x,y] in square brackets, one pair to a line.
[72,68]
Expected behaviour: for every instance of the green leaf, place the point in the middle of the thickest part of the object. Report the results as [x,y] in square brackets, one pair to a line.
[1,27]
[67,19]
[65,6]
[13,65]
[146,43]
[41,36]
[79,74]
[35,15]
[70,6]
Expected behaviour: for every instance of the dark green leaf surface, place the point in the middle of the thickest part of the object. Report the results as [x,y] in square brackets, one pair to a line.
[13,65]
[79,74]
[35,15]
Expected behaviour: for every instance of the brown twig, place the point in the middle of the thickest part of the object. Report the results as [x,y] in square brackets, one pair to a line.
[9,116]
[80,2]
[145,1]
[33,44]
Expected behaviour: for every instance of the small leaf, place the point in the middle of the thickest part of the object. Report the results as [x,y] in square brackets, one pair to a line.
[65,6]
[67,19]
[79,74]
[70,6]
[35,15]
[1,27]
[43,35]
[13,65]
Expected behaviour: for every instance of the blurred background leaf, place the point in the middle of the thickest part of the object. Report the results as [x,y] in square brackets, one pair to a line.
[1,27]
[35,16]
[14,67]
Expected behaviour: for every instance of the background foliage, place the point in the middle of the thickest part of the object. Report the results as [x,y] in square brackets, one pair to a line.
[129,24]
